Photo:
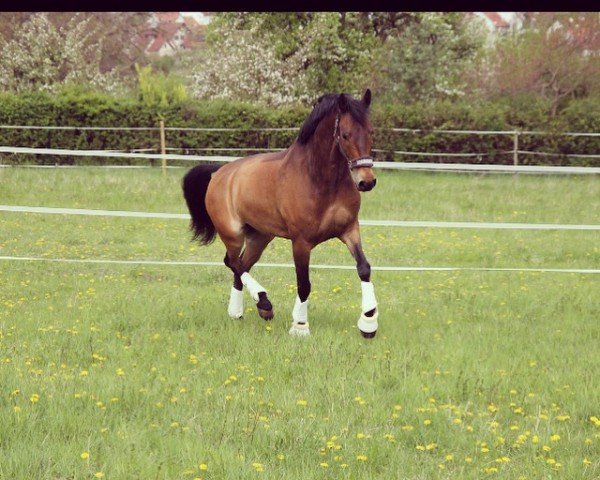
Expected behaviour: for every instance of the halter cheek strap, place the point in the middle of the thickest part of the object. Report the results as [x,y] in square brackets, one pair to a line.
[365,161]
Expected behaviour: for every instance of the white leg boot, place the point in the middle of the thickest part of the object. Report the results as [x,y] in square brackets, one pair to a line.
[254,288]
[368,325]
[236,303]
[300,319]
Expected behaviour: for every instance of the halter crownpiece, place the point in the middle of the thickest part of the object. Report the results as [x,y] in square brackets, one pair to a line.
[357,162]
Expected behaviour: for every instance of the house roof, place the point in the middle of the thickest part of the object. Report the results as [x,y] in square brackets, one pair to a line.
[167,17]
[165,32]
[191,23]
[496,19]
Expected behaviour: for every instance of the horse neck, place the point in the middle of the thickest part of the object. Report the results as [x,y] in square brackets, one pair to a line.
[327,168]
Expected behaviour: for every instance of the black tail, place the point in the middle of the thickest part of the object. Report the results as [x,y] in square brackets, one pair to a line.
[195,184]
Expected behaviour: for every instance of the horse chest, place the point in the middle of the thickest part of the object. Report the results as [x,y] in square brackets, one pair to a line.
[335,220]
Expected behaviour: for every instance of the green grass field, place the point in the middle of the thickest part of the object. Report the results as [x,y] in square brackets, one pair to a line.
[136,371]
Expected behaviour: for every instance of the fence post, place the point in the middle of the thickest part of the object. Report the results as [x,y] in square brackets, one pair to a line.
[163,149]
[516,147]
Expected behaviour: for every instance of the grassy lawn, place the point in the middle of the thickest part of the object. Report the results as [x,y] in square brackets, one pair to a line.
[130,371]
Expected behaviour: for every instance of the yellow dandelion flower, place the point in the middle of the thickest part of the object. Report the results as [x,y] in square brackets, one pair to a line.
[427,422]
[99,474]
[203,466]
[554,438]
[34,398]
[301,403]
[361,458]
[85,455]
[280,456]
[586,461]
[324,465]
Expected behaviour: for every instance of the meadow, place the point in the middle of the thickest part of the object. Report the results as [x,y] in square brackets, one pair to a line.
[127,371]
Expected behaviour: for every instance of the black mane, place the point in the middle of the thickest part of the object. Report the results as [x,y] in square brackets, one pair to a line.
[327,104]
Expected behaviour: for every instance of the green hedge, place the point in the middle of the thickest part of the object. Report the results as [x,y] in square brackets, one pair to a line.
[93,109]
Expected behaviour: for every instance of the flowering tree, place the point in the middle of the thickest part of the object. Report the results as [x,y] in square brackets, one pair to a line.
[405,56]
[43,57]
[244,67]
[278,58]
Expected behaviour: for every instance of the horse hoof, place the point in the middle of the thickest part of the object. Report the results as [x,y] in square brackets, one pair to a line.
[299,330]
[368,334]
[368,325]
[266,314]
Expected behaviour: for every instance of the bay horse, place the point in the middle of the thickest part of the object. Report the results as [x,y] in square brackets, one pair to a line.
[308,194]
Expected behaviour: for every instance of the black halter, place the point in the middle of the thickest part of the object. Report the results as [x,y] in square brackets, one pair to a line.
[365,161]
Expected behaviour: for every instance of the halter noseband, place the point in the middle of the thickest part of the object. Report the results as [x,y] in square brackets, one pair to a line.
[365,161]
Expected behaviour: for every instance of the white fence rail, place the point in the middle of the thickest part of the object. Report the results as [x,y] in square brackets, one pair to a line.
[447,167]
[370,223]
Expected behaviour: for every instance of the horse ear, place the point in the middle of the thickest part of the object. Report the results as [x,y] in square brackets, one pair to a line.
[367,97]
[342,103]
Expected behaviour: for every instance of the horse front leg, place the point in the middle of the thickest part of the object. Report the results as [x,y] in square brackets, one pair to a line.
[367,323]
[301,250]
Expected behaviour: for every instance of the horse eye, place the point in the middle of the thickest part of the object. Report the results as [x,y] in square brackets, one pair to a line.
[346,136]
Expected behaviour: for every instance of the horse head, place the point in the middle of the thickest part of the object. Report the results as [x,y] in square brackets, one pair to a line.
[353,134]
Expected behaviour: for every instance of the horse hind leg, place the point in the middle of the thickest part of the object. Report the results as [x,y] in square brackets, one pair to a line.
[235,308]
[240,266]
[233,244]
[255,245]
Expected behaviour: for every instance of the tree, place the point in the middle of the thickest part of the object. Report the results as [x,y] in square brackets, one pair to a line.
[283,57]
[244,67]
[116,34]
[41,56]
[423,56]
[557,57]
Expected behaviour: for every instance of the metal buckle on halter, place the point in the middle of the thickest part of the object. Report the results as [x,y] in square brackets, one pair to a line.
[361,162]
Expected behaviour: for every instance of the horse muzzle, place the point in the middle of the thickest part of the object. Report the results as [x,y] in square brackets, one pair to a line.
[366,185]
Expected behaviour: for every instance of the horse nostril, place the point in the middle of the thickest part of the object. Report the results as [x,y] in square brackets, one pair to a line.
[374,183]
[361,185]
